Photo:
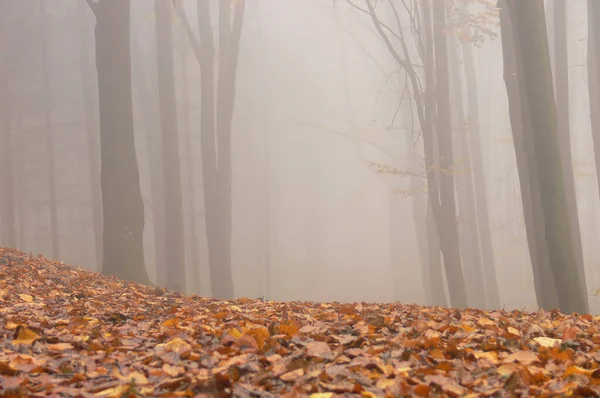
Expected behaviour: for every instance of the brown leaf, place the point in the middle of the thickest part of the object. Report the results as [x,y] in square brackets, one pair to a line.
[318,349]
[523,357]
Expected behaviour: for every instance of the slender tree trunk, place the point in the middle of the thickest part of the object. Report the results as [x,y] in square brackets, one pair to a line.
[543,277]
[148,104]
[92,136]
[220,272]
[561,79]
[429,251]
[216,136]
[449,239]
[173,200]
[534,73]
[8,202]
[123,208]
[266,207]
[49,138]
[593,55]
[469,234]
[434,223]
[191,179]
[478,170]
[8,231]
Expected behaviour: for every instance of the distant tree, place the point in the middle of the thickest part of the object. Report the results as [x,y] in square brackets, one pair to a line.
[448,230]
[91,127]
[470,244]
[215,133]
[530,43]
[440,185]
[123,209]
[49,139]
[8,232]
[144,95]
[172,190]
[474,138]
[192,246]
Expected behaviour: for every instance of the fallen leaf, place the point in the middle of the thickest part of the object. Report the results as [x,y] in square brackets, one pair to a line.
[26,297]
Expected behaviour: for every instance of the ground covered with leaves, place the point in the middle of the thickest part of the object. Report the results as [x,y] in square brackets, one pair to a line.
[65,331]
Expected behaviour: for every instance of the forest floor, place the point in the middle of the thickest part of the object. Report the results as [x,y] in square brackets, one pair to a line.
[65,331]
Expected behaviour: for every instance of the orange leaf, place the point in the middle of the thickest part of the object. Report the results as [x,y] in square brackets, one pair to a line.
[24,335]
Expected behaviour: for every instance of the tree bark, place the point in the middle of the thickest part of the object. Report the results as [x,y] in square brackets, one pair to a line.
[531,44]
[123,208]
[92,136]
[216,135]
[449,238]
[49,139]
[8,218]
[172,190]
[145,94]
[543,277]
[561,79]
[593,55]
[432,224]
[191,179]
[467,226]
[480,185]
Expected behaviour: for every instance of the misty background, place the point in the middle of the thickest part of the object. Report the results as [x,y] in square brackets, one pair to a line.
[328,171]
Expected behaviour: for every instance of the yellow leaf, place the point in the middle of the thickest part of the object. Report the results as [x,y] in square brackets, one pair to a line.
[26,297]
[235,333]
[513,331]
[385,383]
[136,377]
[321,395]
[547,341]
[113,392]
[492,356]
[25,336]
[260,334]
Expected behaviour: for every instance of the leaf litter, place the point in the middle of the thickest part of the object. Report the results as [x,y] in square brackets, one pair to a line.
[65,331]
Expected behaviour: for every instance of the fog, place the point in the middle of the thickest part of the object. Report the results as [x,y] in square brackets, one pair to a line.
[330,181]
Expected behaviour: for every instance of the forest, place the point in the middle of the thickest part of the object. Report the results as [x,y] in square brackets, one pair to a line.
[299,198]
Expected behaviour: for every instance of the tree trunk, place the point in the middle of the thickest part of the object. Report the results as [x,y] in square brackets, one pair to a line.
[8,232]
[50,162]
[434,259]
[92,136]
[123,208]
[467,224]
[216,136]
[148,104]
[446,217]
[478,170]
[429,251]
[173,201]
[543,277]
[561,79]
[531,44]
[593,55]
[191,179]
